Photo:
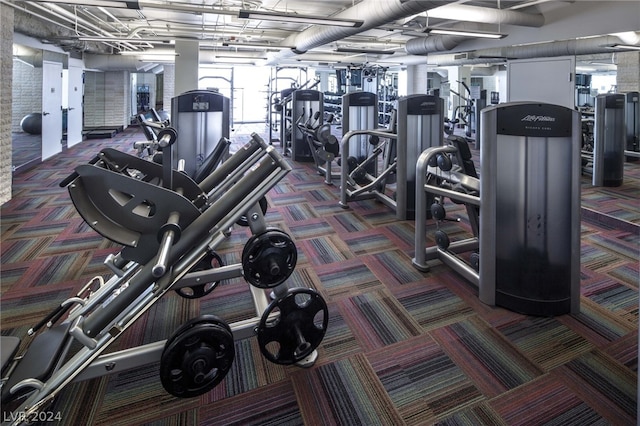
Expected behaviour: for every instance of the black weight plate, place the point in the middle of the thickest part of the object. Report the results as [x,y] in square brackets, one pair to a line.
[444,162]
[297,328]
[211,260]
[437,211]
[442,240]
[269,258]
[474,259]
[196,358]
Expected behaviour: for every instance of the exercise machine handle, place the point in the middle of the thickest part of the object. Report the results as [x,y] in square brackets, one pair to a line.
[170,234]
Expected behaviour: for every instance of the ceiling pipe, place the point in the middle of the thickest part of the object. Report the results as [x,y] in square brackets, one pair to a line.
[39,31]
[374,13]
[75,20]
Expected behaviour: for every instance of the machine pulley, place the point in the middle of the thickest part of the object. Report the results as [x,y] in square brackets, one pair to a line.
[293,326]
[269,258]
[197,357]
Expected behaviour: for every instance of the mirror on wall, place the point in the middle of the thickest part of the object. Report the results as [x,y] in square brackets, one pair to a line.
[26,118]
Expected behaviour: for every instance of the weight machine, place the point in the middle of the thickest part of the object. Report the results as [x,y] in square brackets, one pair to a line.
[632,119]
[201,119]
[152,150]
[169,227]
[524,213]
[603,150]
[419,122]
[323,145]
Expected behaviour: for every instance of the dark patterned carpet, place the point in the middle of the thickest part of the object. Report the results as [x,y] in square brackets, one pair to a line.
[402,347]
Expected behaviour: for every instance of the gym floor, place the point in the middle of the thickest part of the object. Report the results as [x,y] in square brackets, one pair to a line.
[402,346]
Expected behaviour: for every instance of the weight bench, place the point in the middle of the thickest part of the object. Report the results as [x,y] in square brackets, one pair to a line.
[169,227]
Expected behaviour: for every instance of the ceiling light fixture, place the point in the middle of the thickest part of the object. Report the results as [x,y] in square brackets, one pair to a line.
[124,4]
[257,45]
[300,19]
[156,40]
[166,54]
[365,51]
[254,58]
[464,33]
[624,47]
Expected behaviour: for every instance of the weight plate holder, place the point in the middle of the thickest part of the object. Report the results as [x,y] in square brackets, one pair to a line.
[264,205]
[269,258]
[211,260]
[197,357]
[292,327]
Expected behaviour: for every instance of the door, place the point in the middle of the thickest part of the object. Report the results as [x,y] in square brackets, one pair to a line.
[74,111]
[51,108]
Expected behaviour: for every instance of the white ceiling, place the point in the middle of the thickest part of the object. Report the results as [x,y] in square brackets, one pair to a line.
[113,27]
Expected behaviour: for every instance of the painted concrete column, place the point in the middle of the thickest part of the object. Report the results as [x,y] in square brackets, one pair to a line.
[186,71]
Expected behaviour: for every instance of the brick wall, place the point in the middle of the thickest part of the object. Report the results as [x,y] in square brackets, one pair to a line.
[27,92]
[169,84]
[6,67]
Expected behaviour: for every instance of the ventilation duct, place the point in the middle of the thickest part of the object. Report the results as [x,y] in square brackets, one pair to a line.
[586,46]
[374,13]
[425,45]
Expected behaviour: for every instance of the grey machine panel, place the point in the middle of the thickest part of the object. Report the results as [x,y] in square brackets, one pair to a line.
[530,210]
[420,123]
[201,118]
[359,112]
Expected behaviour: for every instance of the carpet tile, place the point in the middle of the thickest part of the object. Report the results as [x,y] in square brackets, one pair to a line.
[545,341]
[422,380]
[494,365]
[345,392]
[549,402]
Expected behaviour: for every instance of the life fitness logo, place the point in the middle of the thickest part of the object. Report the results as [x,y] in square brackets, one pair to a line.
[538,122]
[538,118]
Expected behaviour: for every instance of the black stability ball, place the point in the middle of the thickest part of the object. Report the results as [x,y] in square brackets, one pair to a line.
[32,123]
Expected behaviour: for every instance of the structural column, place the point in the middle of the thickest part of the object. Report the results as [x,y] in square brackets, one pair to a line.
[6,84]
[187,62]
[628,73]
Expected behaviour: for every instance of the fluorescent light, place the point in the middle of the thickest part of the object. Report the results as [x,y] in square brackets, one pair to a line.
[624,47]
[158,40]
[257,45]
[101,3]
[166,54]
[254,58]
[365,51]
[301,19]
[464,33]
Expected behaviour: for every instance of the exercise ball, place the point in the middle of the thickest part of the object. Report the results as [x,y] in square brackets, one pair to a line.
[32,123]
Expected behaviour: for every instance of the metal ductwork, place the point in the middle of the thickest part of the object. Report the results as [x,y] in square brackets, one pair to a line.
[373,12]
[476,15]
[486,15]
[113,63]
[585,46]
